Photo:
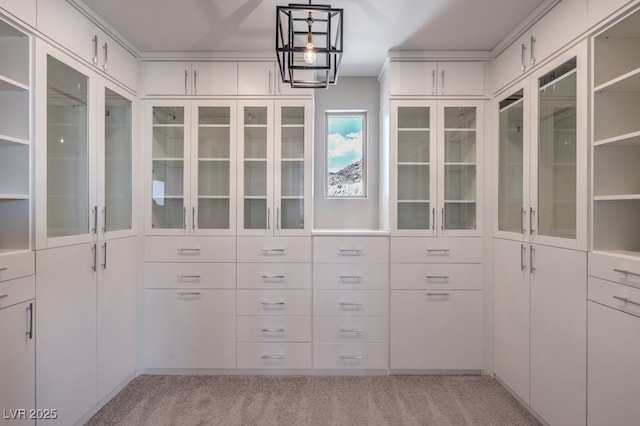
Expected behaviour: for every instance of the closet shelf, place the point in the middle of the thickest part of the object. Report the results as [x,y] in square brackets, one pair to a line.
[628,82]
[620,197]
[628,139]
[9,85]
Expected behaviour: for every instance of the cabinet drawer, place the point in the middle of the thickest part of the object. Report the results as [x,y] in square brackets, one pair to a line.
[17,291]
[293,356]
[347,356]
[621,297]
[350,302]
[620,269]
[350,329]
[436,250]
[351,249]
[274,329]
[17,265]
[351,276]
[190,249]
[274,302]
[274,249]
[274,275]
[419,276]
[190,275]
[436,331]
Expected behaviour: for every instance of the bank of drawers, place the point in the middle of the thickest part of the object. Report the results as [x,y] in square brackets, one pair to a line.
[17,265]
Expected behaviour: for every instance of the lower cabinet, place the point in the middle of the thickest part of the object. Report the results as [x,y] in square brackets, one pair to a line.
[17,356]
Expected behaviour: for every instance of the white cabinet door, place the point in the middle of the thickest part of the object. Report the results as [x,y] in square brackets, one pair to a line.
[412,78]
[167,78]
[117,61]
[460,78]
[613,376]
[17,362]
[436,330]
[511,310]
[558,334]
[599,10]
[116,313]
[214,78]
[21,9]
[66,327]
[256,78]
[190,328]
[511,63]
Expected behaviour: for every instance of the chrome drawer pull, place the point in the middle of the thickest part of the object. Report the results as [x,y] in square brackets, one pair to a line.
[438,250]
[351,330]
[2,296]
[350,303]
[278,251]
[351,277]
[279,356]
[272,277]
[196,250]
[438,277]
[4,269]
[350,252]
[351,357]
[188,293]
[272,330]
[195,277]
[439,294]
[272,303]
[625,300]
[623,271]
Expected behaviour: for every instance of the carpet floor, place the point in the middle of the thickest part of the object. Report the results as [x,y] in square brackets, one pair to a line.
[313,400]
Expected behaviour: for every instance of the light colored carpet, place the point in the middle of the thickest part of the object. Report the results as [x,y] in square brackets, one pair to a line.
[313,400]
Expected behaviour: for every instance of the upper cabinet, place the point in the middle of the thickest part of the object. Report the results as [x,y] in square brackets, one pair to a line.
[15,140]
[616,137]
[25,10]
[558,27]
[274,167]
[190,78]
[67,26]
[263,78]
[542,155]
[600,10]
[436,78]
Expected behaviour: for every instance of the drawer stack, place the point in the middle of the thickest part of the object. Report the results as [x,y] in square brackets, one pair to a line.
[436,304]
[189,302]
[350,297]
[274,303]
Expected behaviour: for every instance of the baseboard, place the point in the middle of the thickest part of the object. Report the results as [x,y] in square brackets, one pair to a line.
[224,372]
[520,400]
[84,419]
[435,372]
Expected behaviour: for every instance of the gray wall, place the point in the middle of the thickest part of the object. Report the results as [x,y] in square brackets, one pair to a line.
[361,93]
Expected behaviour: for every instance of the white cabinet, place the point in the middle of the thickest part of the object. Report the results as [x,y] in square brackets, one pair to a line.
[15,140]
[274,167]
[263,78]
[557,28]
[190,78]
[25,10]
[350,302]
[436,167]
[191,149]
[436,78]
[540,328]
[66,25]
[616,138]
[542,158]
[600,10]
[17,358]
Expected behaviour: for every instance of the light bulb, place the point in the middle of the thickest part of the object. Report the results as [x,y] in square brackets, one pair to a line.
[310,55]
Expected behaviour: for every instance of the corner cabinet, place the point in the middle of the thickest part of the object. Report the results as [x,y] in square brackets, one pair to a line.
[274,167]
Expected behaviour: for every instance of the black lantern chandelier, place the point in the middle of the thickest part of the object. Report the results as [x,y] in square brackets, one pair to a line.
[309,44]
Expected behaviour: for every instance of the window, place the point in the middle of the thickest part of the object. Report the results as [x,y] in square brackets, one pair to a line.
[346,162]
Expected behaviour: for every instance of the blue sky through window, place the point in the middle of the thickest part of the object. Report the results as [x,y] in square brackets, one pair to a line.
[345,154]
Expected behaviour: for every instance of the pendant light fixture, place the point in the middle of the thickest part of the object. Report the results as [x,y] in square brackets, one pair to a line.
[309,44]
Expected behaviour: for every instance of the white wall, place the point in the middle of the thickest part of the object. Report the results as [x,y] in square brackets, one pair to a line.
[361,93]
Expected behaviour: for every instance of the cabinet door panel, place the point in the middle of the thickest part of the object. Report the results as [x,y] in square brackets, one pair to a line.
[413,78]
[350,356]
[256,78]
[460,78]
[599,10]
[511,63]
[167,78]
[215,78]
[272,356]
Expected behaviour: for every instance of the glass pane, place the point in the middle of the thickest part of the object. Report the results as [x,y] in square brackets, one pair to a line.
[292,214]
[413,146]
[292,179]
[413,182]
[118,162]
[460,118]
[511,160]
[346,155]
[255,167]
[292,142]
[67,151]
[414,215]
[557,152]
[255,213]
[413,118]
[459,215]
[213,178]
[459,182]
[213,213]
[214,115]
[168,168]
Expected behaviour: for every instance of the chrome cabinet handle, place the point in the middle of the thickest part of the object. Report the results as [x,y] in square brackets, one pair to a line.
[272,303]
[439,294]
[438,277]
[195,82]
[433,218]
[30,329]
[4,269]
[104,219]
[532,268]
[625,300]
[350,252]
[105,47]
[94,253]
[429,251]
[278,356]
[433,82]
[269,218]
[350,303]
[351,357]
[442,217]
[532,61]
[272,330]
[188,250]
[351,330]
[184,218]
[270,82]
[524,213]
[522,250]
[193,277]
[272,277]
[186,76]
[278,218]
[95,220]
[193,218]
[2,296]
[622,271]
[524,49]
[95,50]
[104,254]
[273,251]
[188,293]
[442,88]
[351,277]
[531,213]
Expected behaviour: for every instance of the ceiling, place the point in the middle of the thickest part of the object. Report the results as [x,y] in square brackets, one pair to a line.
[371,27]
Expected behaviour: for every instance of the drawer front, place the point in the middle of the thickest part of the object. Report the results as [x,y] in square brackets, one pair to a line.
[274,302]
[274,249]
[190,275]
[274,329]
[17,265]
[350,356]
[17,291]
[620,269]
[419,276]
[190,249]
[274,276]
[621,297]
[436,250]
[290,356]
[351,276]
[350,329]
[350,302]
[351,249]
